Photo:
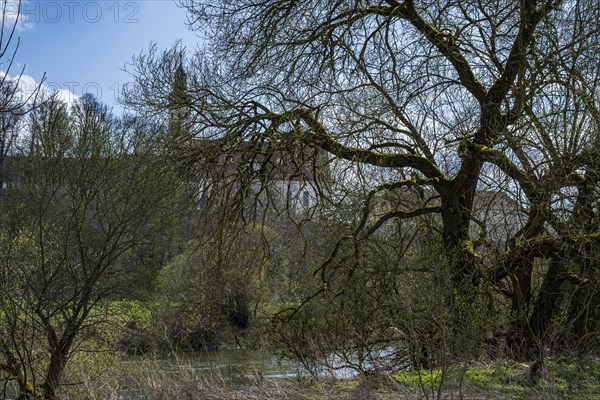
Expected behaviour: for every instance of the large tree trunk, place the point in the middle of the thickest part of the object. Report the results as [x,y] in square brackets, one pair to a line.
[54,374]
[583,317]
[58,360]
[464,261]
[465,275]
[519,336]
[546,306]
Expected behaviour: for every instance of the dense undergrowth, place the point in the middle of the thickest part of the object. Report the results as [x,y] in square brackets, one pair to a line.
[131,330]
[564,378]
[106,374]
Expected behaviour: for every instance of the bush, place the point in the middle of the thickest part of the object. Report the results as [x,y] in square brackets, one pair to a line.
[205,298]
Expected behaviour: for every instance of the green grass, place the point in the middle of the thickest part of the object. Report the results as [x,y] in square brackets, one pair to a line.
[503,380]
[417,379]
[564,378]
[132,311]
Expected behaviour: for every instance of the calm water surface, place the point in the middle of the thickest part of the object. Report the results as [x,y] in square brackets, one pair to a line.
[240,365]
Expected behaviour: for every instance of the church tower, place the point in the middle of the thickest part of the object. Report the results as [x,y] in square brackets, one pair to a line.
[179,125]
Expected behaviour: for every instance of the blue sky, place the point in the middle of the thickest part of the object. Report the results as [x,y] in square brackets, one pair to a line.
[83,45]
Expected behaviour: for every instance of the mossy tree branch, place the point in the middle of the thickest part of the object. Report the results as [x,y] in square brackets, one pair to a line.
[444,42]
[15,370]
[502,161]
[546,246]
[317,135]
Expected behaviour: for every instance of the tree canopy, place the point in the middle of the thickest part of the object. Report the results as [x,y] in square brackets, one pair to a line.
[443,98]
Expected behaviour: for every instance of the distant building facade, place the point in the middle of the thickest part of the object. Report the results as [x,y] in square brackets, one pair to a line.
[283,179]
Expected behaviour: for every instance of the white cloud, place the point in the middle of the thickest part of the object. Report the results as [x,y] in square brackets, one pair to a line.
[67,96]
[10,12]
[26,83]
[29,89]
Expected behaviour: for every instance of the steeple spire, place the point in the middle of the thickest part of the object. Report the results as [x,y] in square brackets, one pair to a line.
[179,107]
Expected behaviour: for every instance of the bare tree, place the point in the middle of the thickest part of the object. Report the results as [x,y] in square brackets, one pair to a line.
[440,97]
[86,198]
[14,101]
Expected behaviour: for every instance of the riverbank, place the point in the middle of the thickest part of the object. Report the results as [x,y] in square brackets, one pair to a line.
[147,378]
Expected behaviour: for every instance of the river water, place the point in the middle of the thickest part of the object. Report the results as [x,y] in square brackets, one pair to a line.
[236,368]
[238,365]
